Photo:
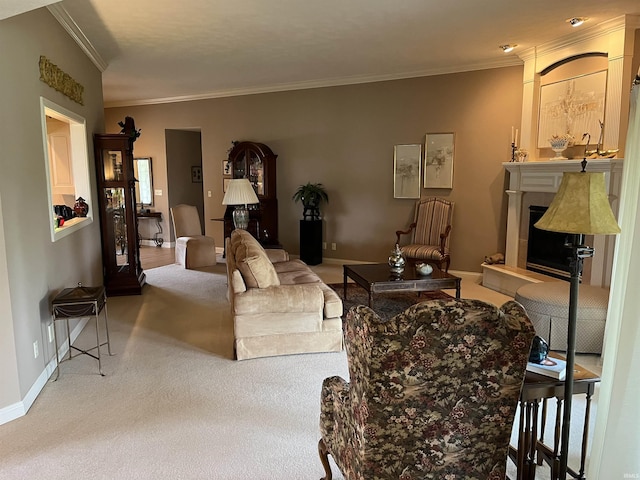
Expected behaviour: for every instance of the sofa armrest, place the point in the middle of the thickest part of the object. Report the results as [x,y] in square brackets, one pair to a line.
[282,298]
[277,255]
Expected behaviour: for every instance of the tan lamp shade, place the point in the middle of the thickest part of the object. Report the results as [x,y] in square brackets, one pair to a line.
[581,206]
[240,192]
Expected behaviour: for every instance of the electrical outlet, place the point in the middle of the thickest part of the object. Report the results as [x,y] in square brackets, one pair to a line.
[333,246]
[209,193]
[50,331]
[36,351]
[157,192]
[324,245]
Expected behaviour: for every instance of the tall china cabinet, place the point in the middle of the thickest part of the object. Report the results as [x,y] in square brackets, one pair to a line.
[256,162]
[122,269]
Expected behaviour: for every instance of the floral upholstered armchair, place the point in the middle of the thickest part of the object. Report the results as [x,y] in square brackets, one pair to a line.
[432,394]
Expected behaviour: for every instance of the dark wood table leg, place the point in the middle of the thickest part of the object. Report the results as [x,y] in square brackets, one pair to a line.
[585,432]
[458,288]
[344,276]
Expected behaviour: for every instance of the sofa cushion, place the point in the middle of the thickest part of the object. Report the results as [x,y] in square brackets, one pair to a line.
[298,277]
[244,245]
[332,302]
[252,261]
[295,265]
[237,282]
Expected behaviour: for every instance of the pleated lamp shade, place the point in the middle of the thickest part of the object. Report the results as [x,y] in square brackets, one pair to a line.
[581,206]
[240,192]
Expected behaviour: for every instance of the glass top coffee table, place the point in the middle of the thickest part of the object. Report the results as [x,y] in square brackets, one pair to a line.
[378,278]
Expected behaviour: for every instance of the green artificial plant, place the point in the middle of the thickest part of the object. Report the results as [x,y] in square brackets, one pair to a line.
[311,195]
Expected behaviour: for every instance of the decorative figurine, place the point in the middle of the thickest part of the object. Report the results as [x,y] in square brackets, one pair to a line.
[396,260]
[80,207]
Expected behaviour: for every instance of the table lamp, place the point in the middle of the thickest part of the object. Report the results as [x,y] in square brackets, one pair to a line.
[580,208]
[240,193]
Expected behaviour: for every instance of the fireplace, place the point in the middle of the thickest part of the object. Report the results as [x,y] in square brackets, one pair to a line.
[546,251]
[529,180]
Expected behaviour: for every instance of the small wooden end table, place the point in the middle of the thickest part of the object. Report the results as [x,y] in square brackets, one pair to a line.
[378,278]
[532,451]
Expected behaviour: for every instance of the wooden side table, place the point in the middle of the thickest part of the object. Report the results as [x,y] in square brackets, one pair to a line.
[157,216]
[76,303]
[531,450]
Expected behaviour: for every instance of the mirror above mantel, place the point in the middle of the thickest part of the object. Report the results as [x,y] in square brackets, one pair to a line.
[144,186]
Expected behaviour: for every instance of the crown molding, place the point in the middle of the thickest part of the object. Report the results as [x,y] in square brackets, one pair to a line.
[72,28]
[332,82]
[585,35]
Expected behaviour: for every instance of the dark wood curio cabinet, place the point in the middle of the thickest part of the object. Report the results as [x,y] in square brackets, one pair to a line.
[256,162]
[122,270]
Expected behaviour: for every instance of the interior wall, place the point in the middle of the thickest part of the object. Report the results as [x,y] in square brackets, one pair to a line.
[343,137]
[36,268]
[184,150]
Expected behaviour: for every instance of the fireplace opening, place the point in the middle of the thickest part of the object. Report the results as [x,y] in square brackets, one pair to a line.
[546,251]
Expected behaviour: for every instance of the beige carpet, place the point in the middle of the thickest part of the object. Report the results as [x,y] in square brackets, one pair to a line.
[173,404]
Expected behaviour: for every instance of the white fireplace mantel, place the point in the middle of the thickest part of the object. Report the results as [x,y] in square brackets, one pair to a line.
[546,176]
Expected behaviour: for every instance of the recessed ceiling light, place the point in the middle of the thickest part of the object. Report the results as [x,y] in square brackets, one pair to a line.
[508,48]
[576,21]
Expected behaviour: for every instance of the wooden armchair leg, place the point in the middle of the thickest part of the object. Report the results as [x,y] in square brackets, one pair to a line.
[447,261]
[324,459]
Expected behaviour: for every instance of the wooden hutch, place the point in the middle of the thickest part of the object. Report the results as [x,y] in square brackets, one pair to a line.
[257,163]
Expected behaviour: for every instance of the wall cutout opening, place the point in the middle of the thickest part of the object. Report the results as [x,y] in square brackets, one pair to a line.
[64,137]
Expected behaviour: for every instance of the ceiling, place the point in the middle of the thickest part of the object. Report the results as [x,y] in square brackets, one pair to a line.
[155,51]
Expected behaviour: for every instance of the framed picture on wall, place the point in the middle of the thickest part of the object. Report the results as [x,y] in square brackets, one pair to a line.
[438,160]
[407,162]
[226,167]
[574,106]
[196,174]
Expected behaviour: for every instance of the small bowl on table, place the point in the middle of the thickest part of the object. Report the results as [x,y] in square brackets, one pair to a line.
[424,269]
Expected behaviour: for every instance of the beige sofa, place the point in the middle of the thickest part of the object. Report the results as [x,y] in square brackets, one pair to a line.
[279,306]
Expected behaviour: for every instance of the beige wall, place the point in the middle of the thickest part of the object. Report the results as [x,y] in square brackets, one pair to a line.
[343,137]
[36,268]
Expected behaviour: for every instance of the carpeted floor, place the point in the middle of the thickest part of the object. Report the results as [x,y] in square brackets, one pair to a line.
[385,304]
[173,403]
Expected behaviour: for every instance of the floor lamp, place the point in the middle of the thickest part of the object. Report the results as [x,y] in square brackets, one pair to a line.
[240,193]
[580,208]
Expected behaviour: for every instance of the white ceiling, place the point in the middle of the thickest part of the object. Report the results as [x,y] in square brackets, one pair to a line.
[9,8]
[168,50]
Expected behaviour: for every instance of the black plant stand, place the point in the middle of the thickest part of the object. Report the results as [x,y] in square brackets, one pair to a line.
[311,241]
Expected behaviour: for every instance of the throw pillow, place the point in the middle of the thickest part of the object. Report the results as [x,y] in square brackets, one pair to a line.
[252,261]
[258,272]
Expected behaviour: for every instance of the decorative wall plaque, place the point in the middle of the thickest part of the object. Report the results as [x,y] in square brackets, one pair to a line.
[60,81]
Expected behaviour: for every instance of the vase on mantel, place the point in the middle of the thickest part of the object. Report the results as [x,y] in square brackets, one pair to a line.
[559,144]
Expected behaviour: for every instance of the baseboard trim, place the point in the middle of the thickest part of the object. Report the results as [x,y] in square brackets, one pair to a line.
[20,409]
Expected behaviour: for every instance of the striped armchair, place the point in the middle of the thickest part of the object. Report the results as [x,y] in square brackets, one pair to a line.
[432,392]
[429,232]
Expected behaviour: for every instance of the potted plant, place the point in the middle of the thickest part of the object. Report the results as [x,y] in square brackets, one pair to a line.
[311,195]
